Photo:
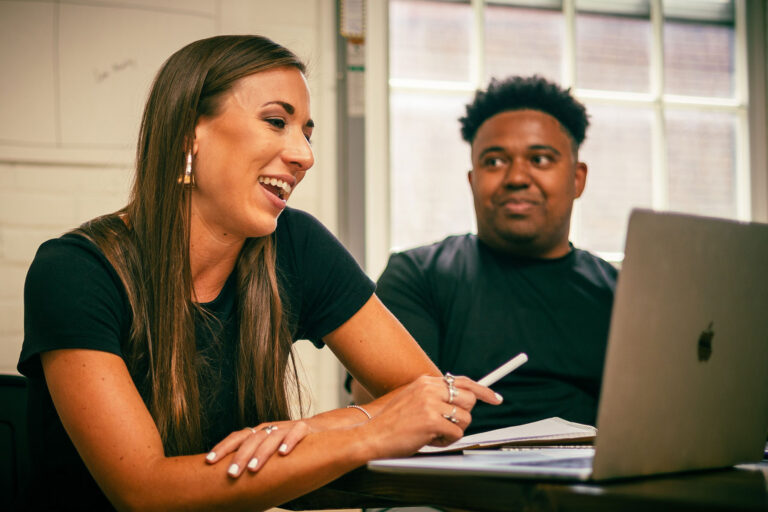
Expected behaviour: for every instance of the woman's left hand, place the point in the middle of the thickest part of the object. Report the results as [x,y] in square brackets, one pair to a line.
[253,446]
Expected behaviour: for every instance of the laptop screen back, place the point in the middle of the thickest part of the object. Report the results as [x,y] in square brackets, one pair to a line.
[685,384]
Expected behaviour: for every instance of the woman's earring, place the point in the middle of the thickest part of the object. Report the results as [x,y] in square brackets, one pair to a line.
[188,180]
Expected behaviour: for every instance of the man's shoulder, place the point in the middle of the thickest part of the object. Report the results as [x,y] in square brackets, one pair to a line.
[428,277]
[586,261]
[584,255]
[448,253]
[454,245]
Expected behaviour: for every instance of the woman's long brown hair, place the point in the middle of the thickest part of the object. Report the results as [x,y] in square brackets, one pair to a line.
[148,245]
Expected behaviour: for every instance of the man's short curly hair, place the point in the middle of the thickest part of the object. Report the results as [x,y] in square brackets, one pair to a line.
[518,93]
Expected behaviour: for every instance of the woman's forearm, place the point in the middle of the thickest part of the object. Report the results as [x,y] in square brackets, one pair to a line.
[348,416]
[190,483]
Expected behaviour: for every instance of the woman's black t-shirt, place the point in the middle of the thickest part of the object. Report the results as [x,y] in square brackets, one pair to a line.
[73,298]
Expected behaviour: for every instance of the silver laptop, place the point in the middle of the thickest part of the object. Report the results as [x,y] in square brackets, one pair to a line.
[685,384]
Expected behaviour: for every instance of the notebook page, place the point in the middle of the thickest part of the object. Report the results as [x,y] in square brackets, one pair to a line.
[551,429]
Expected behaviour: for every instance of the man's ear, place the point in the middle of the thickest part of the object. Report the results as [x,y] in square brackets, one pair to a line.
[579,179]
[469,177]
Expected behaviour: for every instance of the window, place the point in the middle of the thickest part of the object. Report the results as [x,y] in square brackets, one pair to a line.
[664,82]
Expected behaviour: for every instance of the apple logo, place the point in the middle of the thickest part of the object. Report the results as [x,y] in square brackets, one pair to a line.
[705,343]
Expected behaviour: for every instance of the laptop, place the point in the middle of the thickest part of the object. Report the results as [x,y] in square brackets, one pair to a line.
[685,383]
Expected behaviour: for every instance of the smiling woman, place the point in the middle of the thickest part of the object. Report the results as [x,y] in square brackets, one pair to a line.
[158,339]
[251,153]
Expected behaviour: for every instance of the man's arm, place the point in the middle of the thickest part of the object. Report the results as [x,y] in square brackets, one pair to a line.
[406,290]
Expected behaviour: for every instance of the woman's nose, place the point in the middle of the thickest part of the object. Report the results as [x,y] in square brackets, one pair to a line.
[298,152]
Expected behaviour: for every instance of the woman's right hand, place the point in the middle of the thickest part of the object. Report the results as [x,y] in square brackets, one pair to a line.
[252,447]
[420,414]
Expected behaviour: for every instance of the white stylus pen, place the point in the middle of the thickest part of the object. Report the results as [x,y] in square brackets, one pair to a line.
[504,370]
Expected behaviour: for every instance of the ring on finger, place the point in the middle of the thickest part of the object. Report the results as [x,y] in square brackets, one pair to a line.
[451,417]
[269,429]
[253,430]
[449,379]
[452,394]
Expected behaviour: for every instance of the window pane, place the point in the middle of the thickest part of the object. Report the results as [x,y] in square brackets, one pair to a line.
[523,42]
[429,40]
[613,53]
[702,163]
[618,157]
[430,196]
[698,59]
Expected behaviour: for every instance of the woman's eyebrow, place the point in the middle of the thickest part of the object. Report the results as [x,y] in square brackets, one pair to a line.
[290,109]
[286,106]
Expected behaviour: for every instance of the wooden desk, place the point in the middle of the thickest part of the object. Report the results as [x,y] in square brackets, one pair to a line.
[740,489]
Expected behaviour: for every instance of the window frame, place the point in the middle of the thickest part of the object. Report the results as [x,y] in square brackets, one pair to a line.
[751,173]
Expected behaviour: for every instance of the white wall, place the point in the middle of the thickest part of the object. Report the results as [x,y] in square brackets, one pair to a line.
[75,77]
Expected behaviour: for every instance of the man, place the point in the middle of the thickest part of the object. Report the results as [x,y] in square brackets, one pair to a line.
[475,301]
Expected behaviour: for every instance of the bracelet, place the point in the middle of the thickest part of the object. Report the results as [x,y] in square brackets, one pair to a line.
[360,409]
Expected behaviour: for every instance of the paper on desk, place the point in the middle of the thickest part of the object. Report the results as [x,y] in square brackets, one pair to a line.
[549,431]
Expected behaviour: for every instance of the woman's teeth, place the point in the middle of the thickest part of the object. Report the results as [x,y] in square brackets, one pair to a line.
[281,188]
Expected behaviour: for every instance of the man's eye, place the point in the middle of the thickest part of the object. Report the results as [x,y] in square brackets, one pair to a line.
[541,160]
[494,162]
[276,122]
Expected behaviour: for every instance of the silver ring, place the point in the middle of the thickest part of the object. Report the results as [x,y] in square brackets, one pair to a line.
[449,380]
[269,429]
[451,417]
[253,430]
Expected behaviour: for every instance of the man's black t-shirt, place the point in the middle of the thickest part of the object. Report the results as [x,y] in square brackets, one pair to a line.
[73,298]
[471,309]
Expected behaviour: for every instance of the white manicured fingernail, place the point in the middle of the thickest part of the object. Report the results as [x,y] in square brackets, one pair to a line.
[210,456]
[233,470]
[283,448]
[253,463]
[499,397]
